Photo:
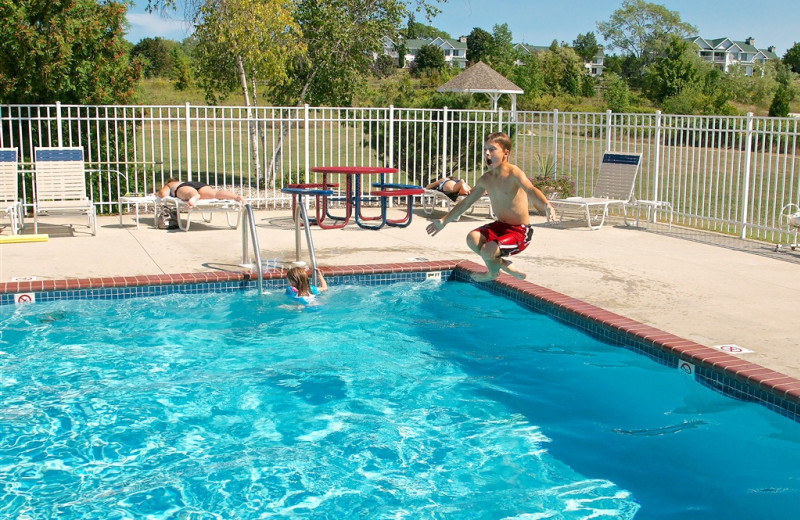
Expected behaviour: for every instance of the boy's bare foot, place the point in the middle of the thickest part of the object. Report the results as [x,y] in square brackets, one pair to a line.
[506,266]
[484,277]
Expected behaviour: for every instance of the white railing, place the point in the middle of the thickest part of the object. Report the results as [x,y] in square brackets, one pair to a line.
[726,174]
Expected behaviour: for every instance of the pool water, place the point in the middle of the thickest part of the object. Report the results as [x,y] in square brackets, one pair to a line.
[432,400]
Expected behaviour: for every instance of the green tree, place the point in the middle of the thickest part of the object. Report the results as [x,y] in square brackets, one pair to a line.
[792,58]
[784,93]
[562,69]
[586,46]
[411,28]
[71,51]
[672,72]
[530,78]
[383,66]
[156,56]
[642,29]
[416,29]
[616,93]
[182,70]
[587,86]
[780,102]
[241,43]
[429,59]
[479,44]
[501,56]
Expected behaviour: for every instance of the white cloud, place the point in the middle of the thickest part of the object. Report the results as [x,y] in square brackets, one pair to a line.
[143,25]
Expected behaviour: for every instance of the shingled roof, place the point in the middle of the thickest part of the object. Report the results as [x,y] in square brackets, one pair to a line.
[480,78]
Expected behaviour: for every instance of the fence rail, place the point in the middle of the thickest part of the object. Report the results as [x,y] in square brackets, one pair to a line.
[732,175]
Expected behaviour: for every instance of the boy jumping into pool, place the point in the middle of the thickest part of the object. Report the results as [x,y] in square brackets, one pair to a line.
[509,189]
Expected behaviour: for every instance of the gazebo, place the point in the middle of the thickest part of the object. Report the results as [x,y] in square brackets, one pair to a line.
[482,79]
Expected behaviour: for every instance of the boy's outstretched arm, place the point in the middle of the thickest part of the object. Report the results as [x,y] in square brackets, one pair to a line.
[536,196]
[462,206]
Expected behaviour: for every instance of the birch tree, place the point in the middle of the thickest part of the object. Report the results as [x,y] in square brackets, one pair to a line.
[241,44]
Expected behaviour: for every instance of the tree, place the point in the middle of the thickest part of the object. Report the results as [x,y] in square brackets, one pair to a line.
[415,29]
[676,69]
[616,93]
[642,29]
[562,69]
[243,42]
[784,94]
[71,51]
[780,102]
[501,56]
[429,59]
[156,55]
[586,46]
[181,70]
[530,78]
[479,44]
[792,58]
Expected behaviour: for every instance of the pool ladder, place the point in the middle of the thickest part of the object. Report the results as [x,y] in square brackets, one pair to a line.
[249,232]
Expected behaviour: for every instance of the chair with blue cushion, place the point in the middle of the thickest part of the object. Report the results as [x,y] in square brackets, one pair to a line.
[61,185]
[10,205]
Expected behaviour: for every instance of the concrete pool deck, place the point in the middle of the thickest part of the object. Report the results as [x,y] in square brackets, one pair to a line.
[704,293]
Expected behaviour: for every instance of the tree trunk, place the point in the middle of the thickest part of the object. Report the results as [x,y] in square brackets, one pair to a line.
[251,122]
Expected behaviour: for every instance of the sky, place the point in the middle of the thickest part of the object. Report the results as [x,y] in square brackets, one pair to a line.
[539,22]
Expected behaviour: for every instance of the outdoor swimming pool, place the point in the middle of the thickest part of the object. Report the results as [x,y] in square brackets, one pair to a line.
[409,400]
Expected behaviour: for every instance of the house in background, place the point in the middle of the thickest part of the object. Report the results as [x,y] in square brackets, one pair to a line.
[725,53]
[455,51]
[594,67]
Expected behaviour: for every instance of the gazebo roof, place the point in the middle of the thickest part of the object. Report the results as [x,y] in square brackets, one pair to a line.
[480,79]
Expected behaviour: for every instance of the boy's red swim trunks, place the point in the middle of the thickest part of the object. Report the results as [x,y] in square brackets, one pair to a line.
[511,239]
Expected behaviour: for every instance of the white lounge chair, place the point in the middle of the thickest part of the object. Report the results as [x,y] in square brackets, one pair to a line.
[206,208]
[614,188]
[10,205]
[433,198]
[61,185]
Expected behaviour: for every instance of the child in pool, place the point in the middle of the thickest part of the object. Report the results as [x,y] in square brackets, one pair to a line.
[300,288]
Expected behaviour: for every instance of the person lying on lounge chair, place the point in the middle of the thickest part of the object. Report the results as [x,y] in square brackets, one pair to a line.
[193,191]
[451,187]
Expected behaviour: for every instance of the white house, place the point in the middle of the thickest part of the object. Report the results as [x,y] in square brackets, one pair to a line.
[725,53]
[594,67]
[455,51]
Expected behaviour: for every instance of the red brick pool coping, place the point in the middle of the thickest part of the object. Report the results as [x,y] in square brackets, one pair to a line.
[751,374]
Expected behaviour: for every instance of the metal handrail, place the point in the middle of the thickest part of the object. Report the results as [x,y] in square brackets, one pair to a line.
[250,223]
[301,208]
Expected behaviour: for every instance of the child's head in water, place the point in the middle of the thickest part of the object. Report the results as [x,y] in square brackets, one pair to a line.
[298,278]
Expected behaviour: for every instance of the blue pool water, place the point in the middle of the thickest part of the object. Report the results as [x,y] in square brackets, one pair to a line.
[402,401]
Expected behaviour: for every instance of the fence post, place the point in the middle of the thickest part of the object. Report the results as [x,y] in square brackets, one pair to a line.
[748,156]
[657,162]
[555,136]
[444,143]
[188,143]
[391,137]
[608,131]
[58,125]
[307,148]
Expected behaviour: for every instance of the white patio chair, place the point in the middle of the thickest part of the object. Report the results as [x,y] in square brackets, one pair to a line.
[433,198]
[614,188]
[206,208]
[10,205]
[61,185]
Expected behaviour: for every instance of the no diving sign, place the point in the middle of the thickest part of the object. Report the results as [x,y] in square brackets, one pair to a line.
[732,349]
[22,298]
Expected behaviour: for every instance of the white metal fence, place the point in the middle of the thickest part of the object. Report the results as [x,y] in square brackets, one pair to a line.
[732,175]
